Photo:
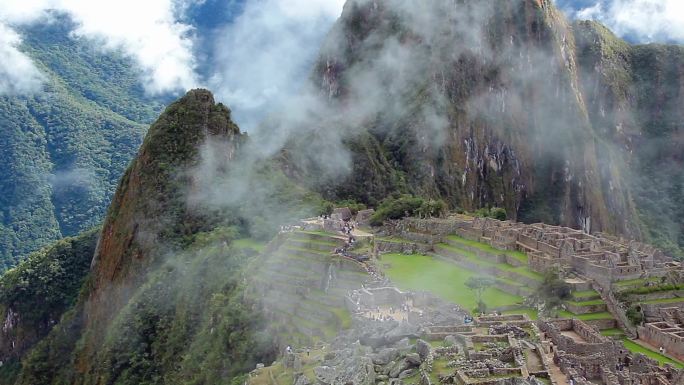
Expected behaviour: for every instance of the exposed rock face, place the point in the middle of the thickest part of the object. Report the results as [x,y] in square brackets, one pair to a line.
[635,100]
[480,103]
[149,214]
[476,102]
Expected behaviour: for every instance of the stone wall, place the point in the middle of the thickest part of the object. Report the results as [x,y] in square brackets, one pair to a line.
[385,246]
[536,261]
[594,344]
[602,324]
[585,309]
[670,337]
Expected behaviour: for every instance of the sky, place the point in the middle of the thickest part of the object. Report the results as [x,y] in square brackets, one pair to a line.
[251,53]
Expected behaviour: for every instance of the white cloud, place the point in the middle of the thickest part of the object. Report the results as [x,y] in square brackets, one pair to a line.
[147,31]
[18,74]
[266,53]
[643,20]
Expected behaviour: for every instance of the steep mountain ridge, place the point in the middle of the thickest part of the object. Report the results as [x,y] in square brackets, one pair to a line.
[149,215]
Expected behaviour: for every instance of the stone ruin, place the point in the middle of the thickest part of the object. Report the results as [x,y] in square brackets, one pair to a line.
[601,257]
[587,357]
[342,216]
[390,303]
[668,334]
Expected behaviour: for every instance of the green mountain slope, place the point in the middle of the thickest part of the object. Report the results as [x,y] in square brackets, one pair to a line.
[64,149]
[35,294]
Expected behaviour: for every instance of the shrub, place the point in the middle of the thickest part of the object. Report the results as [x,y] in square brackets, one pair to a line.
[396,208]
[494,212]
[634,315]
[353,205]
[432,208]
[553,290]
[498,213]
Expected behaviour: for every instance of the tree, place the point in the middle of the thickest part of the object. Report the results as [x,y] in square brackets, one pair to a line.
[478,285]
[498,213]
[553,289]
[396,207]
[432,208]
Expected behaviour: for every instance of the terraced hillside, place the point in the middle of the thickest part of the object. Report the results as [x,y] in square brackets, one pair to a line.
[446,269]
[302,286]
[443,268]
[586,304]
[648,296]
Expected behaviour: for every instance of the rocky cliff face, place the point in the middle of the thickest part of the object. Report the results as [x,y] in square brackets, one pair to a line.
[480,103]
[635,99]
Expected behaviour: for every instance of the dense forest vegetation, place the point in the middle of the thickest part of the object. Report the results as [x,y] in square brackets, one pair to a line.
[65,148]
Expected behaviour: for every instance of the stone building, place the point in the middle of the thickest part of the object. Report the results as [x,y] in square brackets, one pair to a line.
[601,257]
[668,334]
[587,357]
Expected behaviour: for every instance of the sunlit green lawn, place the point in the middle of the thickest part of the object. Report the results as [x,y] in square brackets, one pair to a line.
[585,317]
[522,270]
[522,257]
[444,279]
[636,348]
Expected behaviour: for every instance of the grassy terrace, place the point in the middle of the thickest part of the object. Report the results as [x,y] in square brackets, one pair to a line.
[584,294]
[522,270]
[635,282]
[323,233]
[636,348]
[612,332]
[249,243]
[532,313]
[444,279]
[664,300]
[587,303]
[522,257]
[585,317]
[314,241]
[303,250]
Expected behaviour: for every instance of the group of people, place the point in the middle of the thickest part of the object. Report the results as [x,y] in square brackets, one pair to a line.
[348,228]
